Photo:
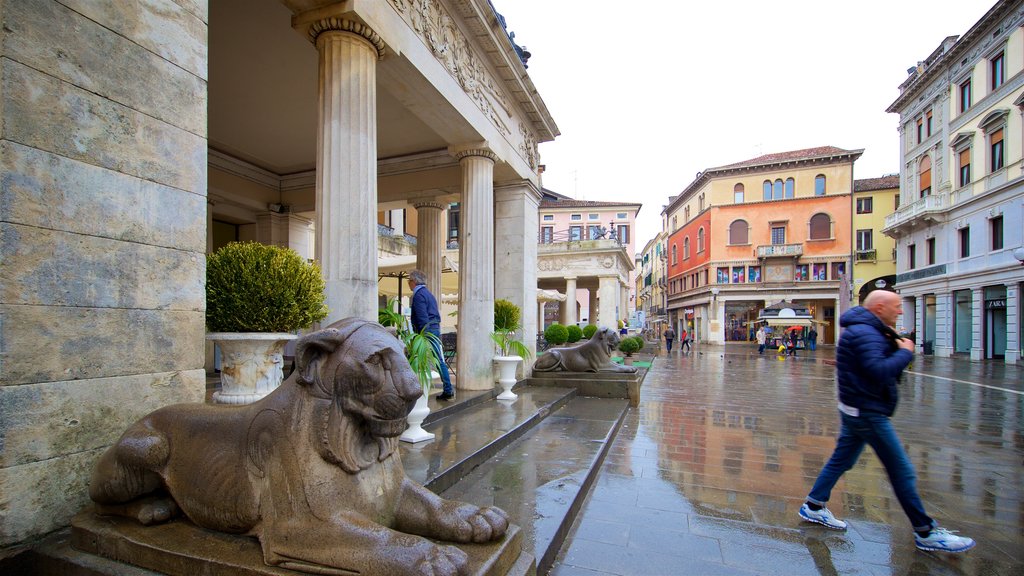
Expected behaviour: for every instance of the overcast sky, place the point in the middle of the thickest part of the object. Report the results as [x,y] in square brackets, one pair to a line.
[647,93]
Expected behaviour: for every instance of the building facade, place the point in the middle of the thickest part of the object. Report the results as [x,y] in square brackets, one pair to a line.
[748,235]
[874,253]
[958,231]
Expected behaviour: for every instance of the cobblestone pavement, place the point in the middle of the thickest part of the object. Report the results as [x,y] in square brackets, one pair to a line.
[707,474]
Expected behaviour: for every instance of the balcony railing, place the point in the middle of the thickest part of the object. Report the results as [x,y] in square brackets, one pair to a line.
[925,205]
[865,256]
[780,250]
[547,236]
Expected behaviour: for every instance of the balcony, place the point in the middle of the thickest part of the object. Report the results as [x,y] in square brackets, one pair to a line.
[927,208]
[774,250]
[865,256]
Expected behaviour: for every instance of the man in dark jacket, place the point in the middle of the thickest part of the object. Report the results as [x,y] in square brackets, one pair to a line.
[425,315]
[870,358]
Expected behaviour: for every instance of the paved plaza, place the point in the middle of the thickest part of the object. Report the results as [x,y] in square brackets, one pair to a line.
[707,474]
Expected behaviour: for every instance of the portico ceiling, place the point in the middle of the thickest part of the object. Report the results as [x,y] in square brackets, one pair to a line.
[263,93]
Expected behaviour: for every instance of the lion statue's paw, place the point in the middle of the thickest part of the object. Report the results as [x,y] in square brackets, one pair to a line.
[488,524]
[443,561]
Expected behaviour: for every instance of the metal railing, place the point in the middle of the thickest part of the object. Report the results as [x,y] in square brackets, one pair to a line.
[865,255]
[569,235]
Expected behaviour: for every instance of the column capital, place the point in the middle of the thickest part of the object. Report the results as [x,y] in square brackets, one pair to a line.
[429,204]
[345,25]
[460,152]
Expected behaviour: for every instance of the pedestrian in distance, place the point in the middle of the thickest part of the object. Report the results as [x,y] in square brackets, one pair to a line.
[870,358]
[812,339]
[669,334]
[793,339]
[426,316]
[684,341]
[761,339]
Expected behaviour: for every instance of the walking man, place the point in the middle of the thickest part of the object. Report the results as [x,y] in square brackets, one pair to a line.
[669,335]
[812,339]
[761,339]
[870,358]
[425,315]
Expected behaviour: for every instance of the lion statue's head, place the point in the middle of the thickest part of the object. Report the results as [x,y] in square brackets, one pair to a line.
[610,339]
[363,388]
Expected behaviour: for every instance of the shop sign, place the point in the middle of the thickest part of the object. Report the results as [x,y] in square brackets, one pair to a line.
[990,304]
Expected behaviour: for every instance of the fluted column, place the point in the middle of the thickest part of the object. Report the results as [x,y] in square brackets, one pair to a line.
[592,311]
[624,302]
[346,168]
[429,243]
[609,298]
[570,301]
[476,270]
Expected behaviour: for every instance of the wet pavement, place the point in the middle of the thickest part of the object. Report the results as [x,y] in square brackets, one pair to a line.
[707,474]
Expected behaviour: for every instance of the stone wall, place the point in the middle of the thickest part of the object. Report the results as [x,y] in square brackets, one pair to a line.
[102,237]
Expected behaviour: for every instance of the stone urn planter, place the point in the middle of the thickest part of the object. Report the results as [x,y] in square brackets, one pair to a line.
[251,364]
[415,432]
[507,366]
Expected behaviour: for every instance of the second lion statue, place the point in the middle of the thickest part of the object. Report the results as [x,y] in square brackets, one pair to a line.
[312,470]
[594,355]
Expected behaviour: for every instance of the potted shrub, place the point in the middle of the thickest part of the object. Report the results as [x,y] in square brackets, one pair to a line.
[257,297]
[556,334]
[511,350]
[589,330]
[575,333]
[628,346]
[419,351]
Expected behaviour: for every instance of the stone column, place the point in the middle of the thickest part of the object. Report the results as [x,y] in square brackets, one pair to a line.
[944,326]
[624,302]
[1013,343]
[476,270]
[569,311]
[346,167]
[515,246]
[592,305]
[608,288]
[430,243]
[540,317]
[977,324]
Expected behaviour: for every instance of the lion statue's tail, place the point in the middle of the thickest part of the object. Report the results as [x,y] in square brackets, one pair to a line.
[550,361]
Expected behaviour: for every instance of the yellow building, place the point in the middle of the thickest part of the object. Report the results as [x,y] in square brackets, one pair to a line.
[874,257]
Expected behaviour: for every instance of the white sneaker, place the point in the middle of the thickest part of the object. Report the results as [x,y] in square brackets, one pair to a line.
[823,517]
[942,540]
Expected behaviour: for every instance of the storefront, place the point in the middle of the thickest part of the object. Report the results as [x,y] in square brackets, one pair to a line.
[741,320]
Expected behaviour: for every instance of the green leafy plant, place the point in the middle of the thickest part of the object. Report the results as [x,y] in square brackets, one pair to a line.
[253,287]
[418,345]
[506,324]
[629,345]
[556,334]
[574,333]
[589,330]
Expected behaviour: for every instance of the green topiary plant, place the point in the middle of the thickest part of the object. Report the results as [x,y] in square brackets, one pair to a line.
[253,287]
[506,323]
[589,330]
[556,334]
[574,333]
[629,345]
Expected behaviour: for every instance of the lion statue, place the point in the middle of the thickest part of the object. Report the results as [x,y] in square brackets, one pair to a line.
[312,470]
[594,355]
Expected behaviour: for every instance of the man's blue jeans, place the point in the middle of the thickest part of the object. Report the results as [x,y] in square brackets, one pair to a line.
[875,430]
[442,368]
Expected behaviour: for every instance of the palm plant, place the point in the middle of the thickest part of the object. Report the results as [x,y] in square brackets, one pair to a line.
[419,346]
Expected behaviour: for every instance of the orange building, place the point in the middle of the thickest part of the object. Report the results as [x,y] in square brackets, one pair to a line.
[748,235]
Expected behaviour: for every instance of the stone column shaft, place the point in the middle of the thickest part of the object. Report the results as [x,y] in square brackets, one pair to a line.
[977,322]
[346,171]
[515,246]
[607,301]
[570,300]
[429,243]
[476,271]
[592,307]
[1013,343]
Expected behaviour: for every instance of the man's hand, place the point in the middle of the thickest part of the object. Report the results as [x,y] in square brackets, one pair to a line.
[906,344]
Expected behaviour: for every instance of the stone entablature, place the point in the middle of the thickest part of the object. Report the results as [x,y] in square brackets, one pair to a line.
[583,259]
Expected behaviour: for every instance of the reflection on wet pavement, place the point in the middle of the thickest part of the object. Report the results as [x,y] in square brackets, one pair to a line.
[707,474]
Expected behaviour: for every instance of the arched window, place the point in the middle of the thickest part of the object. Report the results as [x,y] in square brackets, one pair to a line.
[790,187]
[925,176]
[675,256]
[777,190]
[686,248]
[700,240]
[820,227]
[737,194]
[819,185]
[766,189]
[738,232]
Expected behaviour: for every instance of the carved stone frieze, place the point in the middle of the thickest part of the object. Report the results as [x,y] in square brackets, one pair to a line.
[430,19]
[528,147]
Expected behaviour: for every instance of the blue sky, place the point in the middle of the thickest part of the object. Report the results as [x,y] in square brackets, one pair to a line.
[647,93]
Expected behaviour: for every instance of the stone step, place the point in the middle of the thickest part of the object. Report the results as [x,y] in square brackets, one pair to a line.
[543,477]
[469,432]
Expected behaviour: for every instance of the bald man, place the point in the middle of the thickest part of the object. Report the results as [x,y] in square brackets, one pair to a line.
[870,358]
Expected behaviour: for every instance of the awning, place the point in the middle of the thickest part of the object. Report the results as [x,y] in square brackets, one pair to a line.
[786,321]
[395,265]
